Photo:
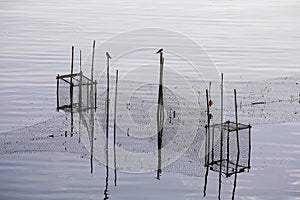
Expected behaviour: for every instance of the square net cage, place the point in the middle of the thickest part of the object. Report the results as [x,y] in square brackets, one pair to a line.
[228,147]
[75,92]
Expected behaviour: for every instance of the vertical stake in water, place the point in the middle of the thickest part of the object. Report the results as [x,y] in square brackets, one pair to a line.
[92,106]
[207,140]
[160,112]
[57,92]
[115,124]
[80,96]
[221,139]
[71,78]
[237,142]
[71,89]
[208,128]
[108,57]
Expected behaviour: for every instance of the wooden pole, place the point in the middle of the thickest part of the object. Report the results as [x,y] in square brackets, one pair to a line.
[80,84]
[160,114]
[221,139]
[80,61]
[92,107]
[115,125]
[57,92]
[92,76]
[80,102]
[208,129]
[71,78]
[236,122]
[207,140]
[108,57]
[238,144]
[72,61]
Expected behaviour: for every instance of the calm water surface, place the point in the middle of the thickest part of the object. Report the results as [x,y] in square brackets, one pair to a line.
[254,40]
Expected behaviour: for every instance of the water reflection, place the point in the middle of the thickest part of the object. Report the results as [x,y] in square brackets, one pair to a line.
[225,152]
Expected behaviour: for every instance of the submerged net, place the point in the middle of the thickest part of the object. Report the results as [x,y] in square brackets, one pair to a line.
[53,135]
[265,102]
[183,135]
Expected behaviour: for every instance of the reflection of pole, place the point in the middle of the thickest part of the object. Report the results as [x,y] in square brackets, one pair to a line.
[92,109]
[160,113]
[227,145]
[238,144]
[249,153]
[221,139]
[115,123]
[212,143]
[106,184]
[205,181]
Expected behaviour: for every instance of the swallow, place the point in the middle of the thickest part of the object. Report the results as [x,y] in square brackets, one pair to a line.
[159,51]
[107,54]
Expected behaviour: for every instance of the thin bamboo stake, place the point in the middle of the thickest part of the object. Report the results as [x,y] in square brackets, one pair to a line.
[221,139]
[207,140]
[71,78]
[160,113]
[208,129]
[80,60]
[92,107]
[107,106]
[92,77]
[236,121]
[115,124]
[238,144]
[57,92]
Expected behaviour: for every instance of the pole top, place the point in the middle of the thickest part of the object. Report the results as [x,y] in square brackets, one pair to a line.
[107,55]
[159,51]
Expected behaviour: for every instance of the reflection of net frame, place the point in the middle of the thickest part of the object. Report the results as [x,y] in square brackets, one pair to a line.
[228,150]
[79,95]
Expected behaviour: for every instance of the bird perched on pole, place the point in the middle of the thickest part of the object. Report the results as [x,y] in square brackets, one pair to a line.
[159,51]
[107,54]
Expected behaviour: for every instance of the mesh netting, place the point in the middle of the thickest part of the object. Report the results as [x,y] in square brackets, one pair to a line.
[268,101]
[232,151]
[64,88]
[183,135]
[75,89]
[52,135]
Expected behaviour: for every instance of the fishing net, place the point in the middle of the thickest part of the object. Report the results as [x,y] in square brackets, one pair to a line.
[230,153]
[76,91]
[259,102]
[53,135]
[185,117]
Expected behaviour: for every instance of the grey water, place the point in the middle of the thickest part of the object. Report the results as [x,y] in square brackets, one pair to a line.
[247,41]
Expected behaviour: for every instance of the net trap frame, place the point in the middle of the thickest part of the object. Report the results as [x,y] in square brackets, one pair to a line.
[228,147]
[75,91]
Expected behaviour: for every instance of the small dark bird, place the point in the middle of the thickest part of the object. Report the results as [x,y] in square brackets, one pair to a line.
[107,54]
[159,51]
